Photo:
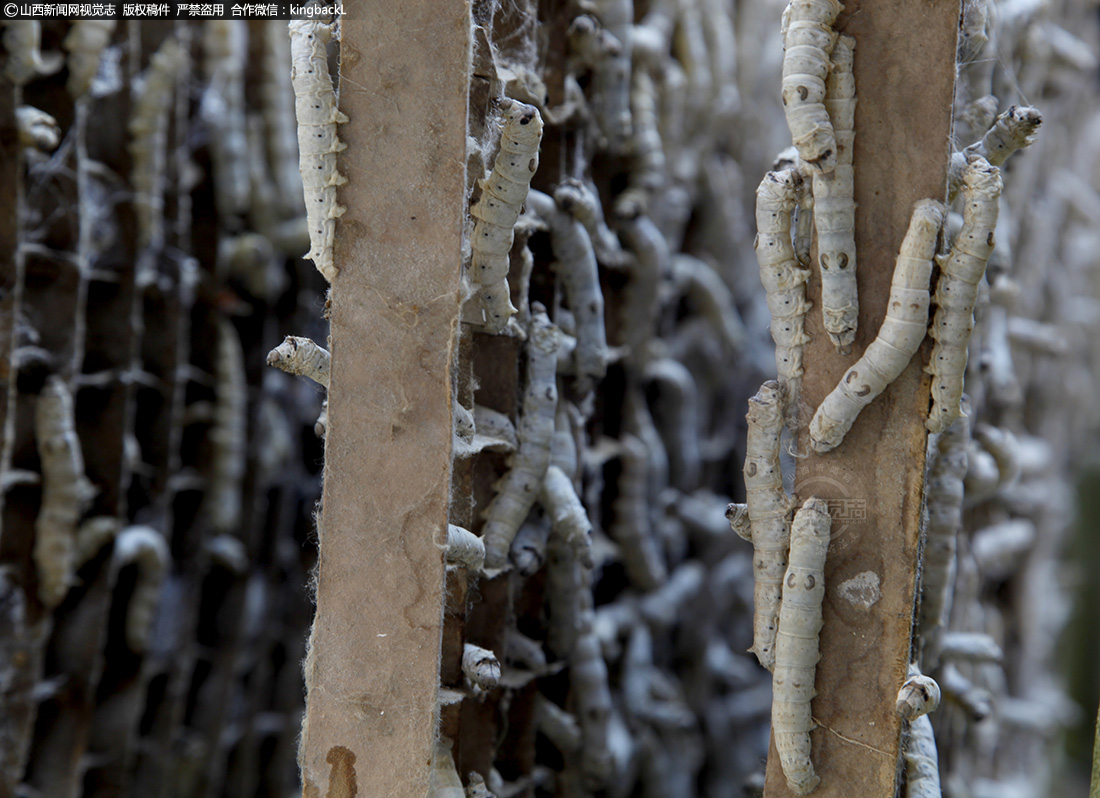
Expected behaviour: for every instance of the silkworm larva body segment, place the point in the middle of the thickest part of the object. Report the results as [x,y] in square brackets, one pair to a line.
[808,41]
[899,336]
[796,649]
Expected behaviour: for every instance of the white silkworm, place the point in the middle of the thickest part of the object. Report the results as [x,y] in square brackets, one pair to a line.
[229,432]
[317,115]
[918,696]
[303,358]
[498,208]
[147,549]
[922,771]
[957,291]
[591,699]
[37,129]
[999,549]
[641,300]
[529,546]
[808,39]
[464,425]
[631,527]
[975,700]
[611,74]
[834,206]
[738,516]
[678,407]
[898,339]
[23,42]
[559,726]
[480,666]
[225,53]
[1003,447]
[769,516]
[149,144]
[943,498]
[93,534]
[567,514]
[712,297]
[575,264]
[443,778]
[65,491]
[1013,130]
[647,170]
[464,548]
[580,200]
[280,124]
[970,647]
[784,280]
[796,651]
[518,489]
[496,426]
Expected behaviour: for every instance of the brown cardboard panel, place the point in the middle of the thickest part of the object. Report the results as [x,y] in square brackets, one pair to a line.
[905,69]
[374,668]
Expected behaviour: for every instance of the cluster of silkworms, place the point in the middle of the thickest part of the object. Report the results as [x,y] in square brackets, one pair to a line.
[158,482]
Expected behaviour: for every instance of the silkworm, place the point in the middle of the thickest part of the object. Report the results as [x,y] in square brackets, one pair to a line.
[738,516]
[943,498]
[498,208]
[518,489]
[317,115]
[957,291]
[280,125]
[443,778]
[563,595]
[575,265]
[1015,129]
[649,694]
[464,548]
[66,491]
[580,200]
[1003,447]
[808,39]
[712,297]
[769,516]
[590,696]
[922,770]
[37,129]
[678,407]
[303,358]
[149,143]
[567,514]
[23,42]
[495,426]
[529,546]
[480,666]
[559,727]
[93,534]
[835,207]
[976,701]
[796,651]
[970,647]
[918,696]
[631,526]
[611,75]
[784,280]
[999,549]
[225,53]
[147,549]
[228,434]
[641,300]
[647,156]
[589,44]
[898,339]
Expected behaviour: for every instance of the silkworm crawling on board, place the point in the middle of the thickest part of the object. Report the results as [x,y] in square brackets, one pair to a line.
[943,498]
[580,200]
[769,516]
[464,548]
[835,207]
[808,40]
[796,652]
[922,769]
[611,75]
[918,696]
[317,114]
[1016,128]
[37,129]
[518,489]
[575,265]
[631,526]
[149,143]
[898,338]
[225,56]
[498,208]
[480,666]
[228,433]
[147,549]
[784,280]
[85,42]
[303,358]
[65,491]
[957,291]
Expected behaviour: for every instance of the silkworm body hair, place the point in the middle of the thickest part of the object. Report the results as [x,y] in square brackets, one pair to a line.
[784,279]
[769,516]
[898,339]
[65,491]
[318,144]
[835,207]
[796,645]
[957,290]
[498,208]
[518,489]
[808,41]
